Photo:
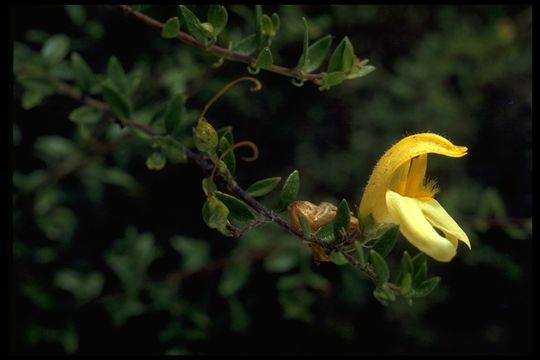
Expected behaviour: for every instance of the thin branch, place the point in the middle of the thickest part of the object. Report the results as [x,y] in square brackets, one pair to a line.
[220,51]
[224,180]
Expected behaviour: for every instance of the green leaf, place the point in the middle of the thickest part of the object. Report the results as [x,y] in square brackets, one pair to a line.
[37,36]
[306,229]
[215,213]
[194,26]
[342,58]
[171,148]
[418,261]
[420,275]
[174,113]
[246,46]
[317,282]
[209,187]
[380,267]
[264,59]
[56,148]
[342,220]
[171,28]
[227,133]
[156,161]
[305,46]
[360,255]
[405,285]
[83,73]
[117,76]
[275,23]
[405,267]
[384,294]
[491,203]
[119,177]
[205,137]
[267,26]
[234,277]
[217,16]
[338,258]
[55,48]
[240,318]
[289,282]
[263,187]
[326,232]
[387,240]
[290,190]
[40,84]
[282,260]
[363,71]
[258,25]
[76,13]
[119,105]
[84,287]
[229,159]
[427,287]
[317,53]
[85,115]
[195,253]
[31,98]
[239,210]
[331,79]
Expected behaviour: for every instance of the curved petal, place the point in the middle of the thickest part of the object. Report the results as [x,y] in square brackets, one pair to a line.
[373,200]
[417,173]
[439,218]
[417,230]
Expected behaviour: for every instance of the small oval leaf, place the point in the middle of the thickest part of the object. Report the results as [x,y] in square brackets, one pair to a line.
[263,187]
[290,190]
[380,267]
[427,287]
[234,277]
[117,76]
[171,28]
[217,16]
[156,161]
[265,58]
[83,73]
[119,105]
[215,213]
[317,53]
[247,45]
[85,115]
[338,258]
[205,137]
[387,240]
[342,220]
[55,48]
[229,159]
[174,113]
[238,209]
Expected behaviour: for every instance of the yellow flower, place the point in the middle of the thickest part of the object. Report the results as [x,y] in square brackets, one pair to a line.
[398,193]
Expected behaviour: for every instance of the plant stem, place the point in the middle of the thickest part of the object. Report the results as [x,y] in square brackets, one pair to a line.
[224,180]
[220,51]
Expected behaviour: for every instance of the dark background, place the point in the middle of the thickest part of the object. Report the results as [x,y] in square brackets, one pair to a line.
[460,71]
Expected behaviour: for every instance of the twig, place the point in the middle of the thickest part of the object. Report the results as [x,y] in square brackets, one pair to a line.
[220,51]
[224,180]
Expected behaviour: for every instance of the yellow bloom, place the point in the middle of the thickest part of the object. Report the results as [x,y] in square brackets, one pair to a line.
[398,193]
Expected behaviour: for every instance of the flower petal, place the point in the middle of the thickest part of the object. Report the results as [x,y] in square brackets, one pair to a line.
[398,183]
[417,230]
[439,218]
[417,173]
[373,200]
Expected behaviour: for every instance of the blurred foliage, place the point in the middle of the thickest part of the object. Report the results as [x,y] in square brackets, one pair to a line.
[110,255]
